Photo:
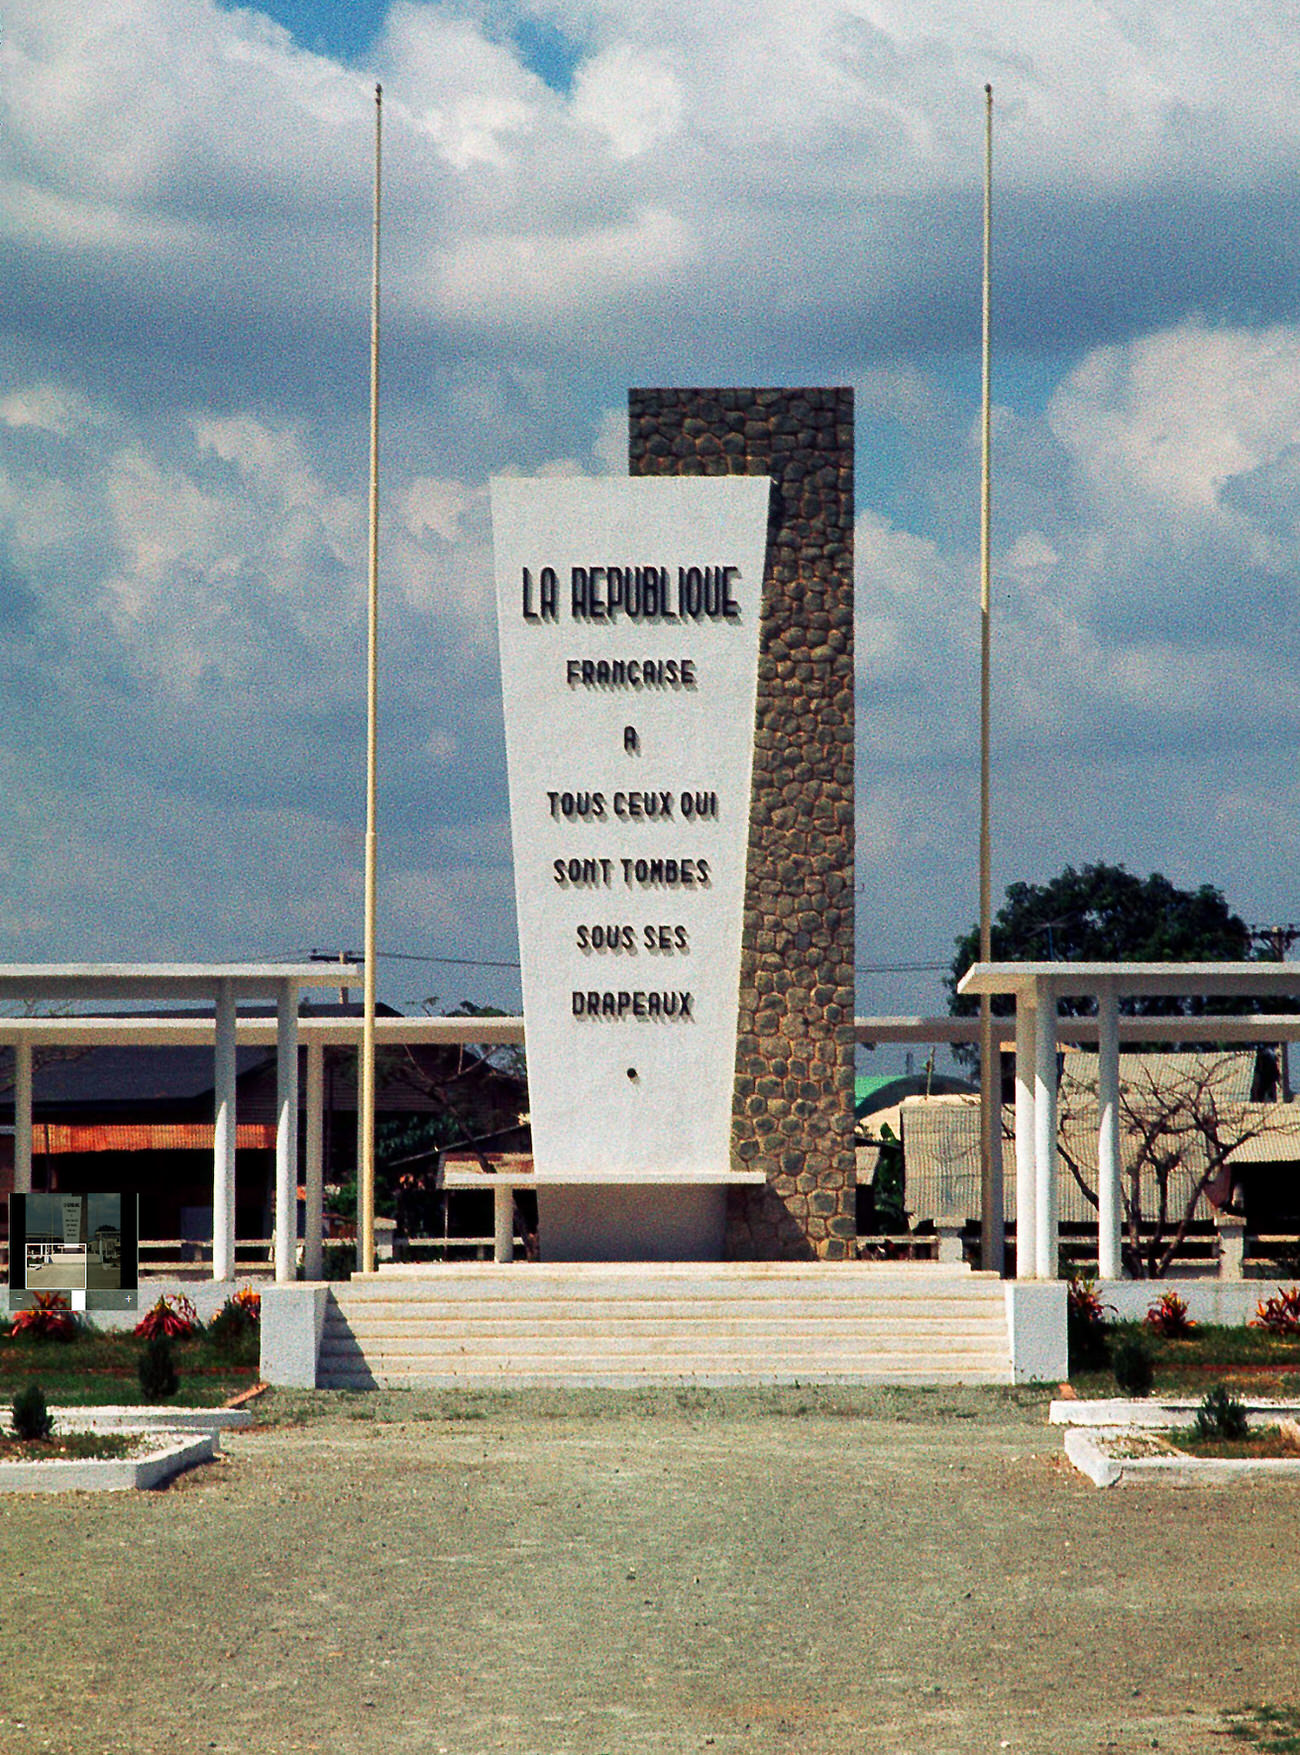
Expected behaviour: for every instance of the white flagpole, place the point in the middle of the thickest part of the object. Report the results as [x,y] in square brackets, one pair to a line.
[991,1212]
[366,1094]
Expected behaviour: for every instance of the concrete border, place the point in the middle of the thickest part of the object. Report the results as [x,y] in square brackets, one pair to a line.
[1149,1415]
[1086,1449]
[1094,1426]
[149,1417]
[111,1475]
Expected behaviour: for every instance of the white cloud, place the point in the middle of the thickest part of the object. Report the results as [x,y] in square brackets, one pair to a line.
[49,408]
[1170,419]
[630,98]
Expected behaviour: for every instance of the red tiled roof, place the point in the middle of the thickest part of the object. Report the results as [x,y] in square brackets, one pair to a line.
[52,1139]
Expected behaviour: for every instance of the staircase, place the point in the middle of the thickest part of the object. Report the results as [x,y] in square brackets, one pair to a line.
[625,1325]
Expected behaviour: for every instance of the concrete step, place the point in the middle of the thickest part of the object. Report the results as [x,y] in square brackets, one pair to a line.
[614,1324]
[698,1300]
[825,1332]
[486,1280]
[773,1312]
[703,1374]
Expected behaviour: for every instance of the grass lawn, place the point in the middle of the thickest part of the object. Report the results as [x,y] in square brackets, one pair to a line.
[1251,1361]
[94,1370]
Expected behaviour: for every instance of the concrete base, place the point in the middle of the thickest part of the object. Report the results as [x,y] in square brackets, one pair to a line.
[624,1222]
[293,1320]
[1036,1330]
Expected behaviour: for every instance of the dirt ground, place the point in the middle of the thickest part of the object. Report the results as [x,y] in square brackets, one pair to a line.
[814,1571]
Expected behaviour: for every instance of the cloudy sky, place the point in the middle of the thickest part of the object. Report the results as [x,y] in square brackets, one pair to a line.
[582,195]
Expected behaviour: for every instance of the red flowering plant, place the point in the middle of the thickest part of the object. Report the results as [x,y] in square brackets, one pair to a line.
[1085,1316]
[49,1320]
[1280,1314]
[1168,1317]
[250,1302]
[173,1316]
[1084,1302]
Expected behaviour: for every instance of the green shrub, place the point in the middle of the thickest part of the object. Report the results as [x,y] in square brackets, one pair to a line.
[229,1327]
[1220,1415]
[32,1419]
[1131,1363]
[157,1370]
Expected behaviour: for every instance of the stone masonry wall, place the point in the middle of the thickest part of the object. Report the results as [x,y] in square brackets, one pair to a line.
[793,1105]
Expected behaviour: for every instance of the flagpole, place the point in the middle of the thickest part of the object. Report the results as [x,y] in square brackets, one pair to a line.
[991,1210]
[366,1135]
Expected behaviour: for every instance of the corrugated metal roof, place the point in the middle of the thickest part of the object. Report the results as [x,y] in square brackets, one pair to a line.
[53,1139]
[1230,1072]
[941,1146]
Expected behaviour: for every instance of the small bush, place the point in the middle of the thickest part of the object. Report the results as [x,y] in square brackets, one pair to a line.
[157,1370]
[31,1418]
[1220,1415]
[1131,1363]
[1168,1317]
[1280,1314]
[1085,1317]
[229,1326]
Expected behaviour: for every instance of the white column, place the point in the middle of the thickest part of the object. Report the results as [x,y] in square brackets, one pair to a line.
[503,1212]
[23,1118]
[1026,1189]
[315,1165]
[286,1131]
[224,1136]
[1045,1226]
[1108,1190]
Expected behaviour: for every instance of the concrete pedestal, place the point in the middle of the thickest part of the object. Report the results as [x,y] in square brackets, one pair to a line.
[604,1222]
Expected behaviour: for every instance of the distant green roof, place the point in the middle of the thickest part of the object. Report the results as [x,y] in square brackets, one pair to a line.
[867,1084]
[873,1091]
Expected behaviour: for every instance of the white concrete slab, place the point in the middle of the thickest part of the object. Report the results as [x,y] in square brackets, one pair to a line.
[159,1462]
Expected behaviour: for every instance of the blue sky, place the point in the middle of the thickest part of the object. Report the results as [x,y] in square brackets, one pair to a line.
[579,198]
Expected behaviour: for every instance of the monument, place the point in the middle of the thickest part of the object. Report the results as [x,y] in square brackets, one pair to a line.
[677,662]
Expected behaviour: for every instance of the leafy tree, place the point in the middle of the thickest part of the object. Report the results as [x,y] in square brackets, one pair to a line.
[1104,914]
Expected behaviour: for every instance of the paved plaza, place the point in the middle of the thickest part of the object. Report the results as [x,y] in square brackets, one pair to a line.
[816,1571]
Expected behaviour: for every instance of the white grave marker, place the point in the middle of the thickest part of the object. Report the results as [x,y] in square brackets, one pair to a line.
[629,612]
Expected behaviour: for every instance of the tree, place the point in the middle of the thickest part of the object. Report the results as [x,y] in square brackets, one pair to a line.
[1104,914]
[1180,1121]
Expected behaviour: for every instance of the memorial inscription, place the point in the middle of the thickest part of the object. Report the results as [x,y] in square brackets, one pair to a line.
[629,696]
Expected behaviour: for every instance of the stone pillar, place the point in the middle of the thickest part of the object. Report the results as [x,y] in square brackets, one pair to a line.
[793,1105]
[1026,1177]
[1110,1213]
[1046,1247]
[286,1132]
[23,1118]
[224,1134]
[1231,1228]
[313,1235]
